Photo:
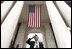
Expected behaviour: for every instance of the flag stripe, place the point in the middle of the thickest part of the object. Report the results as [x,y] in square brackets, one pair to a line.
[39,15]
[35,15]
[33,20]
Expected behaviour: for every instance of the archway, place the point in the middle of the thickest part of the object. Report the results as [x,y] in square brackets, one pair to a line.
[32,31]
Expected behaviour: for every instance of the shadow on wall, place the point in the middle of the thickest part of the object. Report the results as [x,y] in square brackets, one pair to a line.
[68,2]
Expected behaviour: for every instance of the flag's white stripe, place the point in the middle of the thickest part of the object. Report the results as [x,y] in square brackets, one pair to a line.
[39,16]
[32,18]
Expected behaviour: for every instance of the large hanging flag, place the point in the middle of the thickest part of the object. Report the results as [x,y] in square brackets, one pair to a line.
[34,16]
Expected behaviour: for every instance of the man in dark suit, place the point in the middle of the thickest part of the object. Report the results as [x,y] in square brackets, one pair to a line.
[36,43]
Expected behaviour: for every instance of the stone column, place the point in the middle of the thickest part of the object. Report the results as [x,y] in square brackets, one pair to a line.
[65,11]
[10,23]
[5,8]
[62,34]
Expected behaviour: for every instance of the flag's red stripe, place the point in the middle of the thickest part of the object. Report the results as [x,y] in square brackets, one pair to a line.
[35,16]
[38,16]
[30,20]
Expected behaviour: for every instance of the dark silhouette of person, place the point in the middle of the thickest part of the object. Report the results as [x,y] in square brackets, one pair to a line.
[17,46]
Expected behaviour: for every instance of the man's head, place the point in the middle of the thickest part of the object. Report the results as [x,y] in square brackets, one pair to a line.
[36,37]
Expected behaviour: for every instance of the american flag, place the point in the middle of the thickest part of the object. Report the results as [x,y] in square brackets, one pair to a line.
[34,16]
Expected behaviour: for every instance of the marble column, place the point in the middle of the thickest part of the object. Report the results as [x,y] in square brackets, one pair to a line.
[65,10]
[62,34]
[10,23]
[5,8]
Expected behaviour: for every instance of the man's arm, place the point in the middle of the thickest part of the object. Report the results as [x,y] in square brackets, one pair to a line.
[28,41]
